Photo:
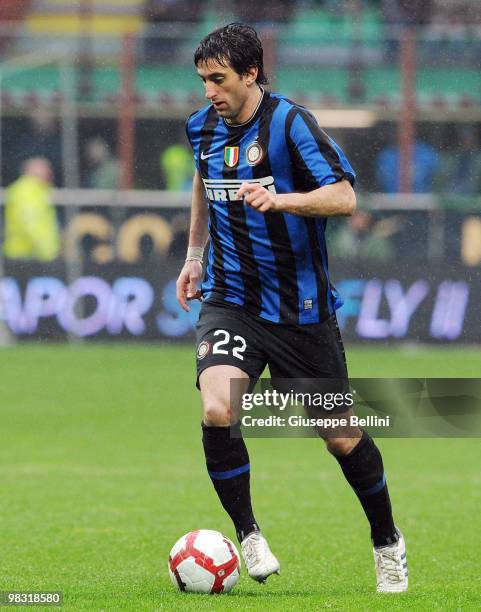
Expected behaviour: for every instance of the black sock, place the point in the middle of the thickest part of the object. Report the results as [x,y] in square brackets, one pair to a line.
[364,471]
[228,466]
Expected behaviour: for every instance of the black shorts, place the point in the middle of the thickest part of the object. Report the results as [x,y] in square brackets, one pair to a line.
[227,335]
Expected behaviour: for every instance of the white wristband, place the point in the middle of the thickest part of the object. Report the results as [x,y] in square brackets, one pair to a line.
[195,254]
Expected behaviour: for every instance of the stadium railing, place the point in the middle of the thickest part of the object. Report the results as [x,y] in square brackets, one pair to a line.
[422,217]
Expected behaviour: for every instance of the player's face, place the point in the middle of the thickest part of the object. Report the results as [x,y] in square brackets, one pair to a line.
[227,90]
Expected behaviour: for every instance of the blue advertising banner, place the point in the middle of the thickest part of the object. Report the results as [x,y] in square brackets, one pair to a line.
[137,302]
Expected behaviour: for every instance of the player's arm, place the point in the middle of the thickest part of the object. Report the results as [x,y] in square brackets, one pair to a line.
[324,176]
[334,200]
[191,274]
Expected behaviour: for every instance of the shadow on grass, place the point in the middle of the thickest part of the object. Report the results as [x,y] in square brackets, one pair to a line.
[262,593]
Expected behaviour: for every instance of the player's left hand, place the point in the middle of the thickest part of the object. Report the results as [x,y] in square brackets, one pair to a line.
[258,197]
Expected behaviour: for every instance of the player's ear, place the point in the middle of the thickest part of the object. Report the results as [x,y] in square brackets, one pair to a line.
[251,75]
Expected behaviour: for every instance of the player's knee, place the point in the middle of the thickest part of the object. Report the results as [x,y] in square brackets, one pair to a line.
[341,446]
[217,415]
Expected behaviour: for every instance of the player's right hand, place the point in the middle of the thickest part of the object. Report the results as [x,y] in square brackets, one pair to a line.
[187,285]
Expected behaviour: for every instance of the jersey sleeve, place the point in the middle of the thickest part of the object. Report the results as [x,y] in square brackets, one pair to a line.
[317,159]
[191,138]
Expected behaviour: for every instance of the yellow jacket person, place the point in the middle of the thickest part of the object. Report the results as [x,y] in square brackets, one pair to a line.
[31,229]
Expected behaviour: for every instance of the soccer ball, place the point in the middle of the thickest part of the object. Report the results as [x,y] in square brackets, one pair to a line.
[204,561]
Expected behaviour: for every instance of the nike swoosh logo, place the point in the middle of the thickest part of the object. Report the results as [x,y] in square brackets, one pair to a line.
[204,156]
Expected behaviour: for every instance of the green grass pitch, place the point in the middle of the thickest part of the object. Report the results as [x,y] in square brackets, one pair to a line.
[101,470]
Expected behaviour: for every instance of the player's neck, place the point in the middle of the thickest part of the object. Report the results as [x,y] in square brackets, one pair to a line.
[250,107]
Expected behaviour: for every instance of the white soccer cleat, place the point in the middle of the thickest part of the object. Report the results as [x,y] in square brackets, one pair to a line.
[391,567]
[259,560]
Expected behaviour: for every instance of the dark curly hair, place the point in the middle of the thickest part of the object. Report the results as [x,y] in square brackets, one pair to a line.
[236,44]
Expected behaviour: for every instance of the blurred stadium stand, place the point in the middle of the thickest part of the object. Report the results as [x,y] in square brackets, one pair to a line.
[325,54]
[342,57]
[105,17]
[12,10]
[58,22]
[11,13]
[117,79]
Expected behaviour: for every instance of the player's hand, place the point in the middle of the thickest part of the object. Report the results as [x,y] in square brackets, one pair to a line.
[258,197]
[187,286]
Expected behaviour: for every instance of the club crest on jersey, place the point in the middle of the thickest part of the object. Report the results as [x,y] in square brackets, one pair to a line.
[203,349]
[231,156]
[254,153]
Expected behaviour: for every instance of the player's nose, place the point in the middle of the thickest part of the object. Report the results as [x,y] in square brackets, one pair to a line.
[210,92]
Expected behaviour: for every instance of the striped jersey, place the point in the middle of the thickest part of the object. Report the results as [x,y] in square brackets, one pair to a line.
[274,265]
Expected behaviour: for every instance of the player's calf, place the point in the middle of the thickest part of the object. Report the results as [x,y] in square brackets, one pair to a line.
[364,470]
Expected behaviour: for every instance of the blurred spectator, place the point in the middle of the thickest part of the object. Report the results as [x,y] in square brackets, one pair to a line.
[42,139]
[362,238]
[177,167]
[424,165]
[158,45]
[31,230]
[104,168]
[460,170]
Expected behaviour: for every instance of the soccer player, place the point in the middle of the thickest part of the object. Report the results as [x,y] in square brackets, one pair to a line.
[267,179]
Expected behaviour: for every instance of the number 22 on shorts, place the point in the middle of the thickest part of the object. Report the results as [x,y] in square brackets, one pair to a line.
[239,344]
